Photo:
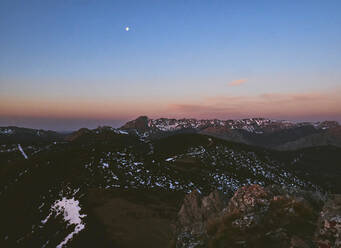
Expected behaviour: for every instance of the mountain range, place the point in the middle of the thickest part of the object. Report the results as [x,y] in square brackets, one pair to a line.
[273,134]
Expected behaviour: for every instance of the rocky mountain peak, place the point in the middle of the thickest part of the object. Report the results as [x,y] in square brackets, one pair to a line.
[140,124]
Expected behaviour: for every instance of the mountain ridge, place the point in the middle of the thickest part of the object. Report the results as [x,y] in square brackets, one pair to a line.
[275,134]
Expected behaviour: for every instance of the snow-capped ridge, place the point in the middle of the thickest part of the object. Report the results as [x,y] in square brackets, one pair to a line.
[145,125]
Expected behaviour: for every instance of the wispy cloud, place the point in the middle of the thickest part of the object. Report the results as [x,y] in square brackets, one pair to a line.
[238,82]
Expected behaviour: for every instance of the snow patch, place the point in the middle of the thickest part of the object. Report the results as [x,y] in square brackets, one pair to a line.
[121,132]
[6,131]
[22,151]
[71,212]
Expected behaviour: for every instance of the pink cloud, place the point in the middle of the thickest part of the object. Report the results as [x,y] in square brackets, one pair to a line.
[237,82]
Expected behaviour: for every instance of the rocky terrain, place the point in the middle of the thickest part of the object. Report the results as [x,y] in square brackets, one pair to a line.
[151,185]
[258,216]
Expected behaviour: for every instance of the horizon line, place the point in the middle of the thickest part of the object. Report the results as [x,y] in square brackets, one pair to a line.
[126,121]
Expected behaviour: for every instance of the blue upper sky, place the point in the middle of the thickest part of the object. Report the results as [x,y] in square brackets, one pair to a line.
[176,51]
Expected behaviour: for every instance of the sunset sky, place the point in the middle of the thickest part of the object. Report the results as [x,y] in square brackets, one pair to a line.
[67,64]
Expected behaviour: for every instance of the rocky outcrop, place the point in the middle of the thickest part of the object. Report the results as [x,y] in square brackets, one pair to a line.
[193,217]
[260,217]
[328,233]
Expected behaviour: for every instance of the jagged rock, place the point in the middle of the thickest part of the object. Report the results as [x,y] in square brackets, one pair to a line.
[212,204]
[328,233]
[191,212]
[258,217]
[194,213]
[248,197]
[251,202]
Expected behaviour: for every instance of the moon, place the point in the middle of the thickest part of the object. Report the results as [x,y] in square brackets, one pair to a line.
[127,28]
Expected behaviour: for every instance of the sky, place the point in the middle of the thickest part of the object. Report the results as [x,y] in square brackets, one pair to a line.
[67,64]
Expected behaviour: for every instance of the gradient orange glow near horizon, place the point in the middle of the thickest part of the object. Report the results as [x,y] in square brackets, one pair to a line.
[71,64]
[310,105]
